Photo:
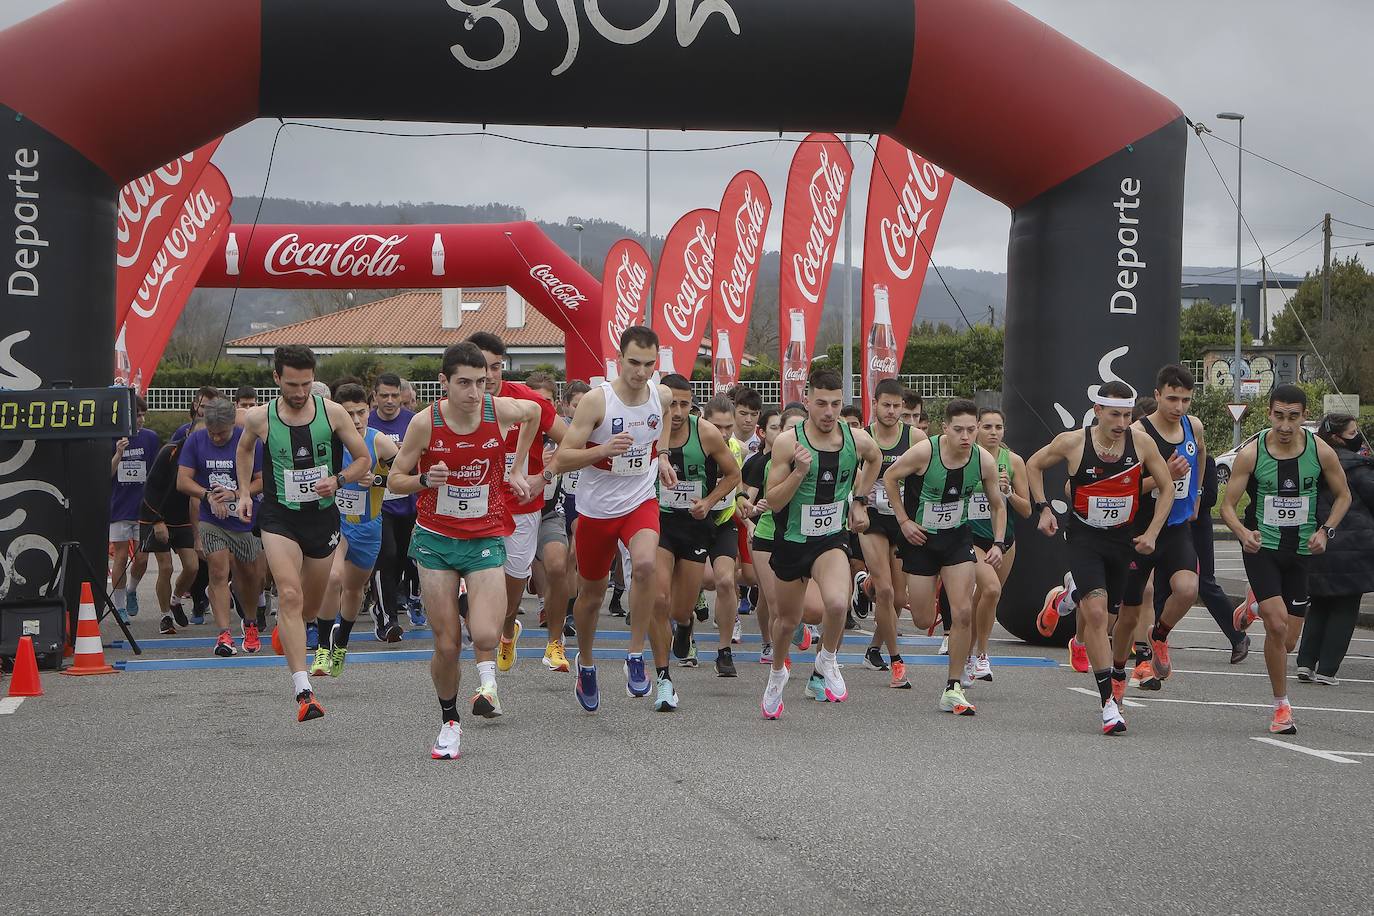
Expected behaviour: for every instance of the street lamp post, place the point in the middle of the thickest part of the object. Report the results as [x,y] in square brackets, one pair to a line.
[579,227]
[1240,305]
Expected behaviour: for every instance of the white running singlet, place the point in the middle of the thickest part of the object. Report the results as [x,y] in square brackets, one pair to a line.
[617,486]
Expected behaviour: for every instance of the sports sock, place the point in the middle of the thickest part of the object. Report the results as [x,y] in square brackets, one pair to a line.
[1069,603]
[301,681]
[1161,631]
[951,683]
[776,676]
[662,673]
[1104,684]
[341,636]
[896,657]
[1118,673]
[742,591]
[322,626]
[571,601]
[1279,701]
[118,597]
[487,672]
[448,709]
[753,596]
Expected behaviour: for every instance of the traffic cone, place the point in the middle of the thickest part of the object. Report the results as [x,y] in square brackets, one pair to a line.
[90,652]
[24,681]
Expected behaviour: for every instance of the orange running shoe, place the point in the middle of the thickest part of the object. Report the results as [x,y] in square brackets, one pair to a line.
[252,642]
[899,681]
[1143,676]
[1118,690]
[1244,614]
[1078,656]
[310,707]
[1048,618]
[1161,666]
[1283,721]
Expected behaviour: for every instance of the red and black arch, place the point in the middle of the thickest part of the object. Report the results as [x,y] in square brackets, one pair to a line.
[97,92]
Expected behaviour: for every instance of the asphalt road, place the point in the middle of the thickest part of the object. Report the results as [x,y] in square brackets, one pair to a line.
[196,789]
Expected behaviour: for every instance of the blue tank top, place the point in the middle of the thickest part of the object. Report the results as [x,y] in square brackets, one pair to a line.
[366,505]
[1186,489]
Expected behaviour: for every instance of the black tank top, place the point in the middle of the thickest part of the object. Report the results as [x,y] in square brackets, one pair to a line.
[1105,496]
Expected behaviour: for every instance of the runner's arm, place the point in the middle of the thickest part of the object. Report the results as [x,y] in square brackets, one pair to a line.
[1199,436]
[912,461]
[573,453]
[1236,484]
[404,477]
[1158,468]
[1020,490]
[360,468]
[509,412]
[1046,458]
[714,445]
[872,462]
[386,449]
[783,478]
[254,427]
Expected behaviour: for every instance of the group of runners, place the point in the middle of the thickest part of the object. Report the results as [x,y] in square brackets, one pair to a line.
[802,517]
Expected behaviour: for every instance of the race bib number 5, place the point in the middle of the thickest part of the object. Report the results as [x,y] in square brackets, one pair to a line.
[461,502]
[818,521]
[1109,511]
[1285,511]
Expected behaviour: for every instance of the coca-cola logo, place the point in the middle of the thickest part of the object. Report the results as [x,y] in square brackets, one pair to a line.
[901,232]
[683,312]
[795,373]
[630,280]
[197,213]
[364,255]
[826,191]
[735,289]
[691,17]
[140,204]
[886,364]
[567,295]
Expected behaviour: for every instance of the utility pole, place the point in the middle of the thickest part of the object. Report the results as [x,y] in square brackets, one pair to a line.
[648,231]
[848,361]
[1326,268]
[1264,299]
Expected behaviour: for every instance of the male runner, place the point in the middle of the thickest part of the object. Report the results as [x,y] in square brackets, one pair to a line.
[912,407]
[164,526]
[204,395]
[454,456]
[523,542]
[1281,471]
[1011,474]
[815,469]
[551,552]
[206,473]
[619,441]
[748,404]
[723,556]
[360,538]
[883,539]
[133,456]
[1104,464]
[408,400]
[1179,438]
[391,419]
[246,397]
[707,476]
[301,434]
[937,479]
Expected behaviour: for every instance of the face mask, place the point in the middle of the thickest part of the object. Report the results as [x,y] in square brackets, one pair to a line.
[1354,443]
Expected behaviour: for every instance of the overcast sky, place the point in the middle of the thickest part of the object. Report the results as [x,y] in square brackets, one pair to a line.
[1302,79]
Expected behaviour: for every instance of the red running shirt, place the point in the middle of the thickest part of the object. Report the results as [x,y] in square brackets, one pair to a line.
[472,503]
[536,463]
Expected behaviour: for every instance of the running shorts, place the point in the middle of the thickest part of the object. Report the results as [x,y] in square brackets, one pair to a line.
[123,530]
[463,556]
[725,541]
[742,532]
[886,526]
[179,537]
[521,545]
[791,561]
[762,545]
[552,530]
[597,537]
[1174,552]
[244,545]
[1278,574]
[941,550]
[1100,563]
[316,531]
[686,538]
[985,544]
[364,542]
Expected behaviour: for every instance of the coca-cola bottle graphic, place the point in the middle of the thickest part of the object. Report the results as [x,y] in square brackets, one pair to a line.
[436,256]
[612,370]
[796,361]
[231,255]
[665,361]
[123,365]
[723,367]
[881,352]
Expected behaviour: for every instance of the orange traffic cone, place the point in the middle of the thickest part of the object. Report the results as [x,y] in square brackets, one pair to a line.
[24,681]
[90,652]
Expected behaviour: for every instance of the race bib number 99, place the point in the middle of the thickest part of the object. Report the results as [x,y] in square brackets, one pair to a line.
[1285,511]
[818,521]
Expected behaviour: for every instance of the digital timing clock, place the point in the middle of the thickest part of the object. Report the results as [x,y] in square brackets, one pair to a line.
[66,413]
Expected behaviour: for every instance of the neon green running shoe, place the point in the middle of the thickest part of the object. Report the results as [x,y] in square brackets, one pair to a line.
[320,667]
[336,660]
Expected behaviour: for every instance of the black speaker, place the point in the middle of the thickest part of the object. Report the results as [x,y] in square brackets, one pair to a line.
[41,618]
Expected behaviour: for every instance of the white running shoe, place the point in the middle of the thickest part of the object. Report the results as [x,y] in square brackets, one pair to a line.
[1112,723]
[1068,605]
[982,668]
[970,672]
[944,646]
[772,694]
[737,636]
[826,667]
[446,745]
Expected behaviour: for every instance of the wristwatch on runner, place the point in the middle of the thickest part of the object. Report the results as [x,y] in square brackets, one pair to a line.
[1041,507]
[859,501]
[1000,545]
[1330,532]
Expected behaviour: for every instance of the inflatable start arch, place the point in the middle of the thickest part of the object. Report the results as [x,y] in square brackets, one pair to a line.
[94,93]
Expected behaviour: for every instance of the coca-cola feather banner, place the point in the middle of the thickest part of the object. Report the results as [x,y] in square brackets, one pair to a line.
[147,209]
[744,213]
[682,290]
[817,188]
[906,200]
[624,293]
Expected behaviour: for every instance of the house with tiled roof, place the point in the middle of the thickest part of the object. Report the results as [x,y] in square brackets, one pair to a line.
[421,323]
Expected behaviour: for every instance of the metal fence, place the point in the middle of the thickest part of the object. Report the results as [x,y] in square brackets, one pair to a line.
[931,386]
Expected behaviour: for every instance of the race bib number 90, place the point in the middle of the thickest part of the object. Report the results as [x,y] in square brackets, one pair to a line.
[1109,511]
[1285,511]
[300,484]
[818,521]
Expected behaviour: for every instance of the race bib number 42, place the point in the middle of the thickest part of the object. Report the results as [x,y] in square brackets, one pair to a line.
[300,484]
[132,472]
[818,521]
[1285,511]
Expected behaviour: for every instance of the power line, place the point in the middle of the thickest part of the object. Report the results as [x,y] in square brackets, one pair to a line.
[1352,225]
[1291,170]
[1232,270]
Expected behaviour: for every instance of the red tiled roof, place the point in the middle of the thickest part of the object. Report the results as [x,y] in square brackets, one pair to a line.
[411,319]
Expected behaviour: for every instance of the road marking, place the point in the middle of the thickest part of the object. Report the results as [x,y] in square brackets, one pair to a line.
[9,704]
[1094,694]
[1363,712]
[1325,755]
[1291,677]
[1353,753]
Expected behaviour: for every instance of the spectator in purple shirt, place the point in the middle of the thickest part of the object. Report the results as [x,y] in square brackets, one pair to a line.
[398,512]
[129,466]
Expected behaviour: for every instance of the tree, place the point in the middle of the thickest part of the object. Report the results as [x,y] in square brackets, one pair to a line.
[1346,342]
[1204,326]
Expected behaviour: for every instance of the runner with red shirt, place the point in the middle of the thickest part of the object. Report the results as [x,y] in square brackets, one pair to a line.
[454,456]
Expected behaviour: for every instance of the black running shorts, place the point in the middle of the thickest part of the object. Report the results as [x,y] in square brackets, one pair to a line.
[885,526]
[1099,562]
[941,550]
[791,561]
[686,538]
[1174,552]
[1278,574]
[315,530]
[724,541]
[179,537]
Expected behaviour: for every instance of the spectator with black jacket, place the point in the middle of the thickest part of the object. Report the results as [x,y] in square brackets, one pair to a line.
[1338,578]
[164,525]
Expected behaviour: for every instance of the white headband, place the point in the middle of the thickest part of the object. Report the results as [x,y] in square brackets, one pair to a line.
[1123,403]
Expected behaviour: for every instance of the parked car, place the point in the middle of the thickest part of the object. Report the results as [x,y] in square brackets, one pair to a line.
[1228,457]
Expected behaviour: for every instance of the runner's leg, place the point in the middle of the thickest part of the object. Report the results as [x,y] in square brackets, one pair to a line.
[958,581]
[439,591]
[284,559]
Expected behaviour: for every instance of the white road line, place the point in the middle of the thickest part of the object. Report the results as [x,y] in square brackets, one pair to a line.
[1363,712]
[1325,755]
[1291,677]
[9,704]
[1095,696]
[1353,753]
[1256,632]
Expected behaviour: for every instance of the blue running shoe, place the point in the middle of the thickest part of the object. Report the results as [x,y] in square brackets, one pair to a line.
[588,694]
[666,700]
[312,636]
[417,614]
[815,687]
[745,609]
[636,680]
[198,610]
[122,615]
[131,603]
